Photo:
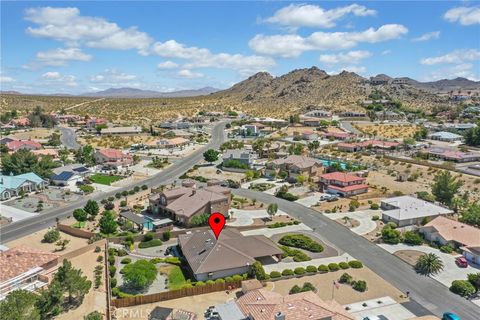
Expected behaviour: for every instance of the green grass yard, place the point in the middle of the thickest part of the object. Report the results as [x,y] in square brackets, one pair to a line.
[176,278]
[79,224]
[104,179]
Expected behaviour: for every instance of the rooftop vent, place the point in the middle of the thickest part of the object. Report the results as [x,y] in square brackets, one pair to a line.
[279,316]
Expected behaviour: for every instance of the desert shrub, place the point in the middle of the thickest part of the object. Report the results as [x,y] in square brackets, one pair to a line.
[343,265]
[323,268]
[51,236]
[111,260]
[375,218]
[287,272]
[299,271]
[333,266]
[374,206]
[113,282]
[345,278]
[360,285]
[97,249]
[275,274]
[311,269]
[112,270]
[463,288]
[355,264]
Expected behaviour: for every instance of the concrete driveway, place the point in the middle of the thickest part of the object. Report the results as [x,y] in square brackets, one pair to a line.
[450,271]
[245,217]
[311,200]
[15,213]
[388,308]
[270,232]
[363,217]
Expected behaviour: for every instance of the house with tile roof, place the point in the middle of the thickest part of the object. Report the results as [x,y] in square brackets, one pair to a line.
[183,203]
[262,304]
[408,210]
[232,253]
[343,184]
[460,235]
[13,186]
[445,136]
[25,268]
[112,158]
[452,155]
[121,131]
[368,144]
[16,145]
[295,165]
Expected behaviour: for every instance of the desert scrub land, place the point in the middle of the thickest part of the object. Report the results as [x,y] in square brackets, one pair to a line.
[117,142]
[389,131]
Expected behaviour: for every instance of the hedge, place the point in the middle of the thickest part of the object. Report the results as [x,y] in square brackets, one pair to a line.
[323,268]
[302,242]
[355,264]
[343,265]
[333,266]
[299,270]
[287,272]
[311,269]
[149,244]
[275,274]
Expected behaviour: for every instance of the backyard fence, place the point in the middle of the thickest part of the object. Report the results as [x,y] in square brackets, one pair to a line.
[76,232]
[82,250]
[175,294]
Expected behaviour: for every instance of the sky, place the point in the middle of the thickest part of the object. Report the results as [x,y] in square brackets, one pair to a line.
[84,46]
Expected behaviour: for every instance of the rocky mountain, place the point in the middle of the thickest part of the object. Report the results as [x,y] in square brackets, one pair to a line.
[446,85]
[138,93]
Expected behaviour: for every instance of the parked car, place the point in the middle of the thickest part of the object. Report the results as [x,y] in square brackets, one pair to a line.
[450,316]
[461,262]
[331,199]
[325,197]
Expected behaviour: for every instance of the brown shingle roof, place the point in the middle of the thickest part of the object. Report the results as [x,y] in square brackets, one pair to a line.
[189,203]
[301,162]
[452,230]
[16,261]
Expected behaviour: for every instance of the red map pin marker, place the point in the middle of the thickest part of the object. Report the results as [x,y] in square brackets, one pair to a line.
[216,222]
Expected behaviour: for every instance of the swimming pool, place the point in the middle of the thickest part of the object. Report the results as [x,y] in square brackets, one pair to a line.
[328,163]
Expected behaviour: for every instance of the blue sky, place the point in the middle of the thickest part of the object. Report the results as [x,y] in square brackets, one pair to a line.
[75,47]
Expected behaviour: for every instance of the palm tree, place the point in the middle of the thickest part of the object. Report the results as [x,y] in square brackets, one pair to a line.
[429,264]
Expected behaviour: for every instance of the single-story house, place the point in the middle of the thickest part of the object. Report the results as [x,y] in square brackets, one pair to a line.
[177,142]
[460,235]
[244,157]
[183,203]
[309,135]
[374,144]
[407,210]
[69,175]
[353,114]
[453,155]
[263,304]
[232,253]
[112,158]
[445,136]
[343,184]
[389,115]
[249,130]
[20,122]
[46,152]
[295,165]
[25,268]
[16,145]
[338,135]
[116,131]
[12,186]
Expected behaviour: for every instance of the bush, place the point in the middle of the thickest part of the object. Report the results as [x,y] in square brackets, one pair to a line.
[149,244]
[122,252]
[299,271]
[209,282]
[51,236]
[237,277]
[156,260]
[118,195]
[463,288]
[123,203]
[97,249]
[302,242]
[446,249]
[295,289]
[111,260]
[323,268]
[220,281]
[374,206]
[343,265]
[139,274]
[297,255]
[99,258]
[355,264]
[275,274]
[345,278]
[360,285]
[112,270]
[95,315]
[144,187]
[148,236]
[258,271]
[228,279]
[311,269]
[126,261]
[375,218]
[166,235]
[333,266]
[113,282]
[287,272]
[199,284]
[412,238]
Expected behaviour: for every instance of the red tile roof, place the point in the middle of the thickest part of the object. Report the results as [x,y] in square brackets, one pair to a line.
[342,177]
[113,154]
[18,144]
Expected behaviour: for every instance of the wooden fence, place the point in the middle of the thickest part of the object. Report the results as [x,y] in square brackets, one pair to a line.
[175,294]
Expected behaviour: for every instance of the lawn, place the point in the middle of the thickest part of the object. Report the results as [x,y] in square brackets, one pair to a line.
[79,224]
[176,278]
[104,179]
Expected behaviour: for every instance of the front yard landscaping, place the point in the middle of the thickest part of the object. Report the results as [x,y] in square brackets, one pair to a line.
[301,241]
[105,179]
[261,186]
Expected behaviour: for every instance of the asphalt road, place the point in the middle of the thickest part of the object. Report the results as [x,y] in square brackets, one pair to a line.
[429,293]
[69,138]
[48,217]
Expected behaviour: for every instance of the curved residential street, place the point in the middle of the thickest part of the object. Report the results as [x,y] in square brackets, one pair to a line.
[69,138]
[48,217]
[426,291]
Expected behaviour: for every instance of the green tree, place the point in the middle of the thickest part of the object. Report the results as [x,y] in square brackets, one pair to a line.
[390,235]
[107,223]
[140,274]
[211,155]
[54,140]
[72,281]
[24,161]
[428,264]
[80,215]
[474,279]
[199,220]
[445,187]
[51,235]
[272,210]
[463,288]
[472,215]
[312,146]
[85,155]
[258,271]
[412,238]
[19,305]
[91,208]
[50,301]
[472,136]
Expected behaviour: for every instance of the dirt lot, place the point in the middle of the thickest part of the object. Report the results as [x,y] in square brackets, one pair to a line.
[37,133]
[377,287]
[409,256]
[210,173]
[117,141]
[34,240]
[390,131]
[95,300]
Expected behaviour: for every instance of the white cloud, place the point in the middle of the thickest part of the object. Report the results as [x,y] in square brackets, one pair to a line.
[289,46]
[464,15]
[167,65]
[6,79]
[385,52]
[356,69]
[114,78]
[68,26]
[56,79]
[204,58]
[58,57]
[454,57]
[189,74]
[427,36]
[464,70]
[352,57]
[305,15]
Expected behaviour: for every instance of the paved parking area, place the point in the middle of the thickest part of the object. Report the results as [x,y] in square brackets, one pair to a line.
[388,308]
[15,213]
[245,217]
[450,271]
[311,200]
[364,217]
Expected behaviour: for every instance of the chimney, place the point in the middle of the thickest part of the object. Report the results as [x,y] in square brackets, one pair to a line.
[279,316]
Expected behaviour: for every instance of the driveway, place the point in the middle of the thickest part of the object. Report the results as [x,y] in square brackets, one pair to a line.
[15,213]
[311,200]
[267,232]
[245,217]
[363,217]
[450,271]
[388,308]
[142,168]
